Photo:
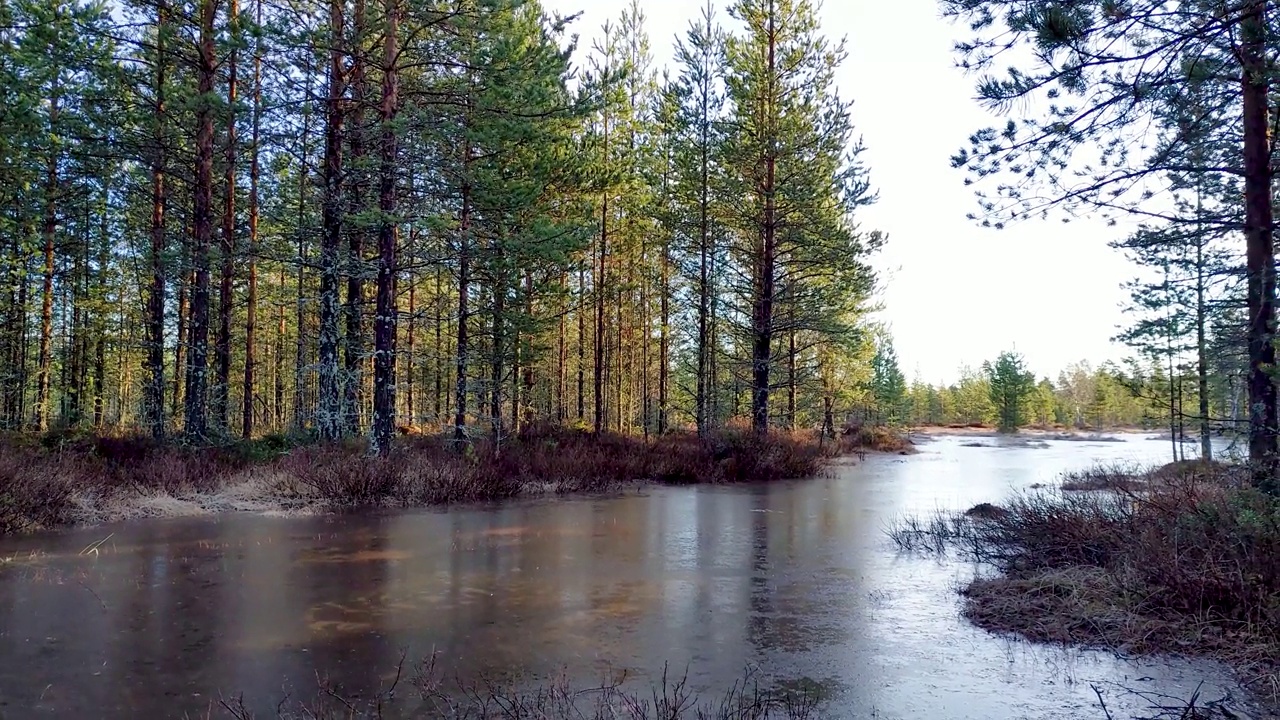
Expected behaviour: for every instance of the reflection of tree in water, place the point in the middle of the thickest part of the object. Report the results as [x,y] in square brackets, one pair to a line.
[346,613]
[792,606]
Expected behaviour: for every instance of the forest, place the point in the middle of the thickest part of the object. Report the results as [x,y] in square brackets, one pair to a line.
[346,219]
[229,219]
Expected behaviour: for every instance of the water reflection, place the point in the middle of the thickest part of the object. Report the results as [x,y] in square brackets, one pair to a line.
[792,579]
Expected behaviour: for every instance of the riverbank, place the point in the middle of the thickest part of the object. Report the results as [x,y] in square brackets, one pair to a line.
[53,481]
[1183,559]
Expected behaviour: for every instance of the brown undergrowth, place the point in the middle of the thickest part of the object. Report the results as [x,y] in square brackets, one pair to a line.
[61,480]
[1184,559]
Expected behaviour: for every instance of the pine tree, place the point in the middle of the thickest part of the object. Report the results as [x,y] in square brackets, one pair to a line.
[1010,385]
[888,384]
[696,142]
[790,153]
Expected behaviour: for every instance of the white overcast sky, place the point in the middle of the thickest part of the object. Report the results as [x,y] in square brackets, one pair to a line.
[954,293]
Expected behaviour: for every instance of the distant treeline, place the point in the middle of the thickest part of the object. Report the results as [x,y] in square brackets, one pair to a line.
[1110,395]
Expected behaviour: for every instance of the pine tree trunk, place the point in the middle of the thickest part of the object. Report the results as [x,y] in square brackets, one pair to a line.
[664,341]
[582,342]
[1202,351]
[353,343]
[226,286]
[495,363]
[21,353]
[410,359]
[618,353]
[791,380]
[701,401]
[154,401]
[196,411]
[384,329]
[527,354]
[561,410]
[300,403]
[43,381]
[464,304]
[99,380]
[278,371]
[762,326]
[1260,253]
[183,331]
[439,400]
[15,351]
[251,301]
[600,284]
[72,406]
[329,410]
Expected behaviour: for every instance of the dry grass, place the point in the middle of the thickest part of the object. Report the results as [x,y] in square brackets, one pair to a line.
[1182,559]
[61,480]
[427,693]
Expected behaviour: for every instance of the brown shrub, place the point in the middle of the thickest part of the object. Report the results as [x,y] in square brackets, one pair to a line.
[36,492]
[875,438]
[344,475]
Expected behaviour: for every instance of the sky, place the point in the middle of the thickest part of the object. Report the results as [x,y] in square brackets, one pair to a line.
[954,293]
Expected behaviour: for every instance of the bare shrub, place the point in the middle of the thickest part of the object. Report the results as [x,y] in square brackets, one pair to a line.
[343,476]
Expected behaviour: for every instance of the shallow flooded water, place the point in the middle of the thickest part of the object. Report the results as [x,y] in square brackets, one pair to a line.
[796,581]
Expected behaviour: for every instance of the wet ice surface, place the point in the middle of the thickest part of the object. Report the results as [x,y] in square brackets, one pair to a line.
[796,581]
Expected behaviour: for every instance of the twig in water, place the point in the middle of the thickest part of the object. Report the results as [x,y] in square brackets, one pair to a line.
[1102,703]
[91,592]
[235,708]
[93,548]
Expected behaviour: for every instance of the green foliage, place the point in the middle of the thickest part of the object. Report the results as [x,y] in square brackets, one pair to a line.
[1010,385]
[888,385]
